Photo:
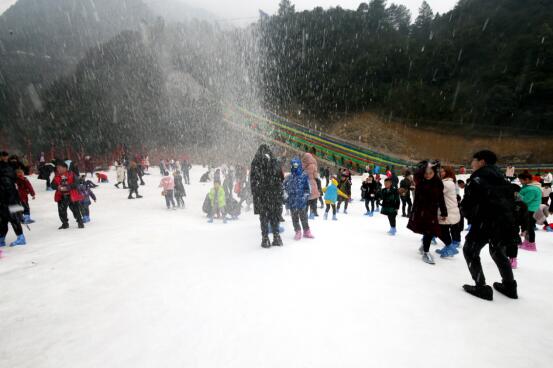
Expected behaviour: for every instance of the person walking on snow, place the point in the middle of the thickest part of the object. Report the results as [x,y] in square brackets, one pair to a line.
[450,233]
[531,195]
[405,187]
[121,174]
[168,184]
[331,197]
[67,196]
[297,193]
[85,189]
[266,179]
[489,206]
[390,204]
[25,190]
[344,186]
[9,200]
[180,193]
[132,179]
[311,169]
[429,203]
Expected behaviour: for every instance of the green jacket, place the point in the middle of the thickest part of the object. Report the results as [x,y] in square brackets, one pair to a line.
[390,201]
[221,200]
[531,195]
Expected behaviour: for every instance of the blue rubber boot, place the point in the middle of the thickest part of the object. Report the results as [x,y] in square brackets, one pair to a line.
[334,218]
[549,229]
[19,241]
[225,220]
[371,214]
[434,242]
[377,210]
[392,231]
[368,213]
[2,242]
[325,216]
[210,221]
[312,216]
[455,244]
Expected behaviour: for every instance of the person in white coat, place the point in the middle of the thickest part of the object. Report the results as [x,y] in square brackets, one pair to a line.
[121,174]
[449,235]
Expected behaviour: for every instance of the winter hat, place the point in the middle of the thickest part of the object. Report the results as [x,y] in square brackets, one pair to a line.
[296,166]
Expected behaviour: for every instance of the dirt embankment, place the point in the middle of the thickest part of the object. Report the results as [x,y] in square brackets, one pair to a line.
[451,147]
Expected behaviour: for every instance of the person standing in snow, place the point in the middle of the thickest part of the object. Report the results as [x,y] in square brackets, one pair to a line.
[531,195]
[168,184]
[311,169]
[180,193]
[266,189]
[369,192]
[489,206]
[132,179]
[217,202]
[331,197]
[88,166]
[121,174]
[298,193]
[9,199]
[67,196]
[25,190]
[390,204]
[405,193]
[345,186]
[448,233]
[186,171]
[85,189]
[429,202]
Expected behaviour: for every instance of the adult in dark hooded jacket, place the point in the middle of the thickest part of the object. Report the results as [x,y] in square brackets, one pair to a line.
[9,196]
[489,205]
[266,179]
[429,198]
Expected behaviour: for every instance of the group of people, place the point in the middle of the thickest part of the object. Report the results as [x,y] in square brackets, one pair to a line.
[497,210]
[498,207]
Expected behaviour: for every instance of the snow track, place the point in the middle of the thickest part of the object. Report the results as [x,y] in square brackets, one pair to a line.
[145,287]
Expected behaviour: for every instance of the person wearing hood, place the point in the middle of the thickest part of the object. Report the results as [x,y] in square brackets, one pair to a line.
[531,195]
[489,206]
[331,197]
[167,183]
[132,180]
[67,195]
[369,191]
[297,193]
[9,199]
[266,179]
[311,169]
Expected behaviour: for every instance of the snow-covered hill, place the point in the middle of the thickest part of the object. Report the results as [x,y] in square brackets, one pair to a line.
[145,287]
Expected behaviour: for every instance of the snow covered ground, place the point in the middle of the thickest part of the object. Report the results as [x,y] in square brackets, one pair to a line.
[145,287]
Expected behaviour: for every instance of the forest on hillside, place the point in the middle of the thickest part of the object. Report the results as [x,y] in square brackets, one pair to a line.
[486,62]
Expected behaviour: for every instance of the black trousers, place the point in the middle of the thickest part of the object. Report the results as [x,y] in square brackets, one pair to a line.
[406,201]
[266,219]
[346,201]
[48,182]
[75,208]
[186,177]
[551,203]
[169,199]
[26,208]
[392,220]
[180,201]
[531,233]
[300,215]
[498,250]
[7,218]
[371,202]
[328,205]
[313,206]
[133,190]
[85,209]
[426,240]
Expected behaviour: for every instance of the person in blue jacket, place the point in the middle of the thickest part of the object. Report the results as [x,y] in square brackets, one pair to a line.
[331,197]
[296,195]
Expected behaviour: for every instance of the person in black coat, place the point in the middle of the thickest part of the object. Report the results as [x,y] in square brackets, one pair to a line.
[405,194]
[132,179]
[489,205]
[266,179]
[429,198]
[9,197]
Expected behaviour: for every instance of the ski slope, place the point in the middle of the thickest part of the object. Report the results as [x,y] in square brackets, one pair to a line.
[145,287]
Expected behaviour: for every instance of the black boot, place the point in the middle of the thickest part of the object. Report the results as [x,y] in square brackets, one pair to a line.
[138,196]
[483,292]
[277,241]
[130,196]
[507,289]
[81,225]
[265,243]
[63,227]
[117,185]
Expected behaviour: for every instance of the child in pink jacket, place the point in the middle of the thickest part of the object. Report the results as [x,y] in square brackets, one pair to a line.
[168,185]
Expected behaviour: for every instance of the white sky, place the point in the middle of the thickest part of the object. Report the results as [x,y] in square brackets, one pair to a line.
[231,10]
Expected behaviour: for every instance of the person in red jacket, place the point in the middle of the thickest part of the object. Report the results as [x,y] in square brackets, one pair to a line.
[25,189]
[102,178]
[67,196]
